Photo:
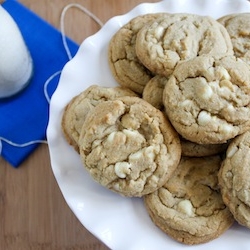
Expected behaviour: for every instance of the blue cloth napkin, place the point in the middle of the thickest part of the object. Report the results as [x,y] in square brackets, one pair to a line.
[24,117]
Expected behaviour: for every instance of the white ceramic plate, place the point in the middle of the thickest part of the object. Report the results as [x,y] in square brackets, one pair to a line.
[121,223]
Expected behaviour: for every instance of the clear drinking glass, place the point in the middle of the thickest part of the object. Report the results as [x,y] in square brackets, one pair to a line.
[16,65]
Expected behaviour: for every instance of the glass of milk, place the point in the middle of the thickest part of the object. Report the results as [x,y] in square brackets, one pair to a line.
[16,66]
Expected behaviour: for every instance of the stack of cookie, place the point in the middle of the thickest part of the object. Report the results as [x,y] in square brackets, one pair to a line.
[163,134]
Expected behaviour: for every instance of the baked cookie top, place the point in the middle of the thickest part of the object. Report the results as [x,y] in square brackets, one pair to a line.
[129,146]
[234,178]
[77,109]
[238,28]
[189,207]
[123,61]
[163,43]
[153,91]
[208,100]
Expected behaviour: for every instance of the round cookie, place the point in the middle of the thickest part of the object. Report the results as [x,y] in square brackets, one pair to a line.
[192,149]
[123,61]
[234,178]
[77,109]
[207,100]
[162,44]
[189,206]
[153,91]
[238,28]
[129,147]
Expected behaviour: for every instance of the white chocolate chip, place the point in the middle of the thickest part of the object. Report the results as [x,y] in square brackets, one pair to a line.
[207,92]
[136,156]
[231,152]
[225,129]
[211,70]
[122,169]
[131,133]
[116,186]
[204,118]
[226,84]
[148,152]
[186,207]
[230,108]
[111,137]
[223,74]
[159,31]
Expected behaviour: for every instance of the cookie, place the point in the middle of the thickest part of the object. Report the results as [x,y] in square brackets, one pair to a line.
[78,108]
[123,61]
[192,149]
[162,44]
[129,147]
[189,206]
[238,28]
[234,178]
[153,91]
[207,100]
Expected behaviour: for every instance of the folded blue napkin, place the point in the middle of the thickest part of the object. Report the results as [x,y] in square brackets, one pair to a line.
[24,117]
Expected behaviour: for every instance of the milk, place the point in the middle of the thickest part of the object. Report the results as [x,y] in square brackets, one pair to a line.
[16,65]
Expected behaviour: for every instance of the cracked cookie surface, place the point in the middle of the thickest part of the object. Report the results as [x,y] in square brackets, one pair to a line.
[234,178]
[208,100]
[238,28]
[77,109]
[123,61]
[129,147]
[162,44]
[189,206]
